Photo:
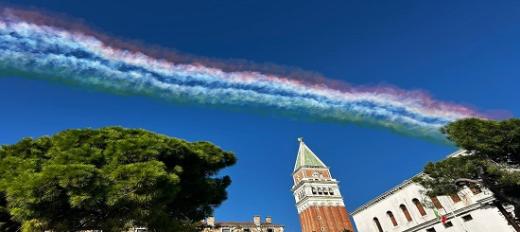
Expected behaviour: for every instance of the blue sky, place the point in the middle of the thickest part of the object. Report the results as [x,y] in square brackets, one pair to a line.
[464,52]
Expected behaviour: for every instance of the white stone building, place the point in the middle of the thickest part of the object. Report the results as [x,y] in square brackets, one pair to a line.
[256,225]
[405,208]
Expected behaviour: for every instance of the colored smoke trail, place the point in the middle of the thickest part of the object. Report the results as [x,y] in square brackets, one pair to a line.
[43,49]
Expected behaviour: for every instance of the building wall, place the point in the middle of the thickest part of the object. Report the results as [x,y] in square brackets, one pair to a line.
[319,202]
[256,225]
[331,219]
[243,229]
[485,216]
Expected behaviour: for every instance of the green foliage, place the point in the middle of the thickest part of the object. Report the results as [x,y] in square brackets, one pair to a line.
[6,224]
[110,179]
[441,176]
[495,140]
[494,161]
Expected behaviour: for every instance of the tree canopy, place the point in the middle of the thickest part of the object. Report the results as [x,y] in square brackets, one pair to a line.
[111,179]
[494,160]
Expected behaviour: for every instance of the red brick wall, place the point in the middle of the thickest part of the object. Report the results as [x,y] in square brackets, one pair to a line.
[307,173]
[332,218]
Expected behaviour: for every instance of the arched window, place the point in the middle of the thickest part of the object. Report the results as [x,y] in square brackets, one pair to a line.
[406,213]
[313,190]
[392,218]
[378,225]
[419,206]
[455,198]
[331,191]
[436,202]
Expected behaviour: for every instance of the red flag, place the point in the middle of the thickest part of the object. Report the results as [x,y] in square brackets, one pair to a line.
[444,219]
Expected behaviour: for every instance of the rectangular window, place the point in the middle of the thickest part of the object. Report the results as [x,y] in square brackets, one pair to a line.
[467,217]
[431,230]
[448,224]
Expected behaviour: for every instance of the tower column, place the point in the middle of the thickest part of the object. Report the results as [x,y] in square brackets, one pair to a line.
[318,208]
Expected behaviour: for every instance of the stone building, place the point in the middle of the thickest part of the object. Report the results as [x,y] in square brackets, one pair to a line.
[406,208]
[256,225]
[318,199]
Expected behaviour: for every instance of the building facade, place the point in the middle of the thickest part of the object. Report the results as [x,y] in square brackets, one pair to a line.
[318,199]
[406,208]
[256,225]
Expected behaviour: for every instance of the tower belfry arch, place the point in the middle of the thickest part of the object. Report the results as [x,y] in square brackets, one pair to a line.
[318,199]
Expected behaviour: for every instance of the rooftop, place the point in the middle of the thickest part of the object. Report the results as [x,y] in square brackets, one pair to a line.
[307,158]
[245,224]
[398,187]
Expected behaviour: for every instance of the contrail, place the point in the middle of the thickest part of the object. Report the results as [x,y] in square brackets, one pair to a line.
[35,48]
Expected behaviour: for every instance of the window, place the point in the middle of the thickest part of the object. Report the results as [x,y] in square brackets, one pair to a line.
[313,190]
[419,206]
[331,191]
[247,230]
[406,213]
[431,230]
[475,189]
[392,218]
[319,191]
[436,202]
[378,225]
[226,230]
[455,198]
[467,217]
[448,224]
[270,230]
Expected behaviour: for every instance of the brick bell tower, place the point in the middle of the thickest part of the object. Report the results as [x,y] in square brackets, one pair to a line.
[318,200]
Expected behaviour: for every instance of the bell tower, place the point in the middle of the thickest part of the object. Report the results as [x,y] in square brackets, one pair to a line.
[318,200]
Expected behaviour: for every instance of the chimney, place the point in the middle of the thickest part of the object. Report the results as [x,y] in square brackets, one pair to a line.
[256,220]
[268,220]
[210,221]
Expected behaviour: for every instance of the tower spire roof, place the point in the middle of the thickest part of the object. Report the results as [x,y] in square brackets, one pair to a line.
[307,158]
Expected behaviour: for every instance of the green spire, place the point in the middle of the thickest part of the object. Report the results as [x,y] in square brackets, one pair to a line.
[307,158]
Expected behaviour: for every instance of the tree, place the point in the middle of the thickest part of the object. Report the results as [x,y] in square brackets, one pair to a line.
[6,223]
[494,160]
[111,179]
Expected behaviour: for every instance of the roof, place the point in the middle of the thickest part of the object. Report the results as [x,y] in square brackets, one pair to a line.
[307,158]
[384,195]
[399,186]
[246,224]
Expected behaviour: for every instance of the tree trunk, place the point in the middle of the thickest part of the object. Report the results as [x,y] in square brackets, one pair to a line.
[508,216]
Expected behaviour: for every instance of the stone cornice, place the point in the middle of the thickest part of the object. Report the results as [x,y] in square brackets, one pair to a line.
[397,188]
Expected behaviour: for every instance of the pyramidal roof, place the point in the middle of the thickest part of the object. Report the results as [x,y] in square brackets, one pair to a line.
[307,158]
